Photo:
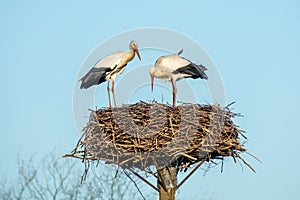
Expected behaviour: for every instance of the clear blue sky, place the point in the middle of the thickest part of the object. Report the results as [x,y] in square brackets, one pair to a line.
[255,46]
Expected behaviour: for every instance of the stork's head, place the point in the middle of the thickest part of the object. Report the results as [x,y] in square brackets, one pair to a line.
[134,46]
[151,72]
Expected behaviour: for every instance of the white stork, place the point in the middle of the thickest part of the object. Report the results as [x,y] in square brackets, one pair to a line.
[108,68]
[174,67]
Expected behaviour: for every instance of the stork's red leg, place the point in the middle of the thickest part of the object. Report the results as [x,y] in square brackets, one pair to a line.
[174,92]
[113,92]
[108,90]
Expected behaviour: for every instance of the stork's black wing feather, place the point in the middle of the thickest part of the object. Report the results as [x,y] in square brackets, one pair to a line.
[94,77]
[195,71]
[180,52]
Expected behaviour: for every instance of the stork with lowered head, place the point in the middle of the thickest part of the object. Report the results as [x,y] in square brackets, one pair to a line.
[173,68]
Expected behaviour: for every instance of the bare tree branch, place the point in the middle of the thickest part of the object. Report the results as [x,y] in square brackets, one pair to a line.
[59,178]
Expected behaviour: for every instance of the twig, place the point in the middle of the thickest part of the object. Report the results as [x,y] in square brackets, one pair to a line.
[190,157]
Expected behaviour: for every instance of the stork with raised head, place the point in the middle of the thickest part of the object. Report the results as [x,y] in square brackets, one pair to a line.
[108,68]
[173,68]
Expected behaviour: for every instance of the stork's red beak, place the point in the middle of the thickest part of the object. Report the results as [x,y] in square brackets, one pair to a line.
[152,82]
[138,53]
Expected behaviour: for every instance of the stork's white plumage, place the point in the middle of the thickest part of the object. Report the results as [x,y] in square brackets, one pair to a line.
[174,67]
[108,68]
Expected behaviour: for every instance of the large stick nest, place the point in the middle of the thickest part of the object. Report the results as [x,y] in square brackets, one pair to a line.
[142,135]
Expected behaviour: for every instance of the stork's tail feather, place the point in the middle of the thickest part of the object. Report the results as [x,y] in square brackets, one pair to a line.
[94,77]
[94,80]
[180,52]
[201,71]
[193,70]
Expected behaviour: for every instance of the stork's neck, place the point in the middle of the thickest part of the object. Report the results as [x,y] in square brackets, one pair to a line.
[131,55]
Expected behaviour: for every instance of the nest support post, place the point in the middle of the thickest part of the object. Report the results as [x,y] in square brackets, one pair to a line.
[167,183]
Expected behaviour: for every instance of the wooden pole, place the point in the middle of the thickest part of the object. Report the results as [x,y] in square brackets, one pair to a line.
[168,177]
